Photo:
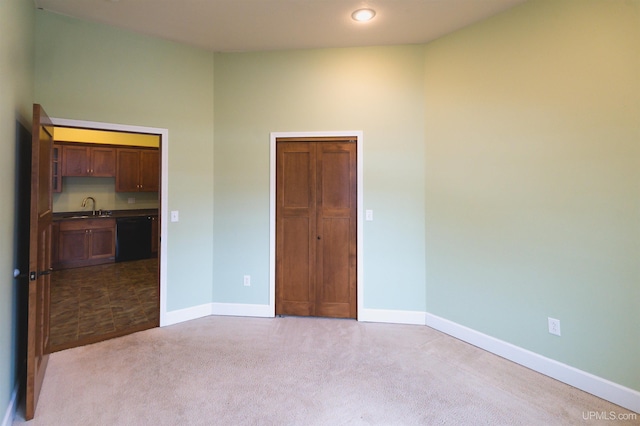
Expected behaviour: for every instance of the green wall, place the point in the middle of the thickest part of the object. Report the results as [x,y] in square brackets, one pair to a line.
[532,162]
[87,71]
[377,90]
[16,97]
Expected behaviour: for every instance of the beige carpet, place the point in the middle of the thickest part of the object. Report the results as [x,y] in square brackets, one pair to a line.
[300,371]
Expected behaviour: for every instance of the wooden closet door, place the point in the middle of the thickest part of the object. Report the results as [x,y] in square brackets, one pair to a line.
[295,228]
[316,230]
[336,228]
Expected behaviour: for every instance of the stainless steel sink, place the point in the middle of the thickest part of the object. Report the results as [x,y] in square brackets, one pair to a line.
[87,216]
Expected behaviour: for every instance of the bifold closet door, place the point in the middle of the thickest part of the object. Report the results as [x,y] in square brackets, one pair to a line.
[316,235]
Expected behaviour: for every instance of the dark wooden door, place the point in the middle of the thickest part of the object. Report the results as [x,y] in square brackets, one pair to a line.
[316,233]
[39,257]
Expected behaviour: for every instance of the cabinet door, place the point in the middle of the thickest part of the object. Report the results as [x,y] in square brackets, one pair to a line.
[149,170]
[56,169]
[102,243]
[103,162]
[72,245]
[75,160]
[155,234]
[127,170]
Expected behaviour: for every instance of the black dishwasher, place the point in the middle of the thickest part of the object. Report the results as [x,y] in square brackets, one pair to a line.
[133,238]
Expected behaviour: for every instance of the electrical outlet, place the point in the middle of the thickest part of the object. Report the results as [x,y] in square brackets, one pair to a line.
[554,326]
[131,200]
[368,215]
[247,280]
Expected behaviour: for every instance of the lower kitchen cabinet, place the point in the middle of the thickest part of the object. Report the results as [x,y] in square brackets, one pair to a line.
[155,234]
[84,242]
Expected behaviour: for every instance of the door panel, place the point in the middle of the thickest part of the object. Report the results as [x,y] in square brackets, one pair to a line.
[149,170]
[335,172]
[72,245]
[296,260]
[333,262]
[295,229]
[316,228]
[75,160]
[296,175]
[103,161]
[103,243]
[297,281]
[336,217]
[39,257]
[127,170]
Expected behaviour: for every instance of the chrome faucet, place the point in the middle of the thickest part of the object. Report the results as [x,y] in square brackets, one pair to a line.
[84,204]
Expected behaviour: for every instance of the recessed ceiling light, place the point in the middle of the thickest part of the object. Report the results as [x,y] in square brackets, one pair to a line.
[363,15]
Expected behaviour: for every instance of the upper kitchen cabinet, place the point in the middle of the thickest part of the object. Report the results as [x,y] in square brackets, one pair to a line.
[86,160]
[56,168]
[138,170]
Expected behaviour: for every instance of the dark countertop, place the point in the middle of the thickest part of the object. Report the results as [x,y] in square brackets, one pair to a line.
[114,214]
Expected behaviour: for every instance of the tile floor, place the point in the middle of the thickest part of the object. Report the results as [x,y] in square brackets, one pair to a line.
[101,302]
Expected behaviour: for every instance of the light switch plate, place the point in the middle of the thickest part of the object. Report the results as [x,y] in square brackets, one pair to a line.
[368,215]
[174,216]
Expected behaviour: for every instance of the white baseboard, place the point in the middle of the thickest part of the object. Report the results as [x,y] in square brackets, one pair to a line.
[390,316]
[242,310]
[187,314]
[602,388]
[207,309]
[10,413]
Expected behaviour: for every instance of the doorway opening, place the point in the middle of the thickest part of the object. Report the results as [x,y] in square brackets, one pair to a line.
[149,309]
[356,138]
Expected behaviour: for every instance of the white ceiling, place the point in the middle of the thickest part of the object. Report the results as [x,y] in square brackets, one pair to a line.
[255,25]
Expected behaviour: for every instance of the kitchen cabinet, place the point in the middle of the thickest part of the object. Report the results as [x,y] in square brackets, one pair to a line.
[56,168]
[137,170]
[155,234]
[87,160]
[84,242]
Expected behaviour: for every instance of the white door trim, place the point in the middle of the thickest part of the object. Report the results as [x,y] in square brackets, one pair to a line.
[358,135]
[164,186]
